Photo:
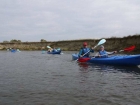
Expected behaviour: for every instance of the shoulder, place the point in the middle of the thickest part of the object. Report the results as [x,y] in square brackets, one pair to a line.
[81,48]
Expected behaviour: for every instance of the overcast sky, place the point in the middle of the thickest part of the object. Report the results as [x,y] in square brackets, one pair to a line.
[54,20]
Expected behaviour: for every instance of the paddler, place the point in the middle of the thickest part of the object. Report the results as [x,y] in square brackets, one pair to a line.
[50,50]
[85,51]
[104,54]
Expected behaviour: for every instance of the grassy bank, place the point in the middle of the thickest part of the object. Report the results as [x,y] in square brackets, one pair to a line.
[75,45]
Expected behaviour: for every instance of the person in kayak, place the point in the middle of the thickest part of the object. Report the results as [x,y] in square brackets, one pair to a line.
[85,51]
[104,54]
[50,50]
[54,49]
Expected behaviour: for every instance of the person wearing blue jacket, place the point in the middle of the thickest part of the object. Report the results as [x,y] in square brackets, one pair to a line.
[85,51]
[104,54]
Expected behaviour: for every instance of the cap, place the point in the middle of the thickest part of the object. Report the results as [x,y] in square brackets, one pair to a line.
[85,44]
[101,46]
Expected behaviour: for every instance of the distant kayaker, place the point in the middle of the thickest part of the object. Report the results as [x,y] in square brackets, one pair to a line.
[50,50]
[13,50]
[85,51]
[102,53]
[43,50]
[54,49]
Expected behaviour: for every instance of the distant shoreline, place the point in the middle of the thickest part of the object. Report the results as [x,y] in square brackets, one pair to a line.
[113,43]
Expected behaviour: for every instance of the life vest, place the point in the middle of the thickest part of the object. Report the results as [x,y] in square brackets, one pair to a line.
[84,51]
[103,54]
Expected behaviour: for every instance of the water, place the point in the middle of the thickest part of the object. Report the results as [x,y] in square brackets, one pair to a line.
[32,78]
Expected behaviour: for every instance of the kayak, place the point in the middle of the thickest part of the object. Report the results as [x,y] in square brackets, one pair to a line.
[55,52]
[13,50]
[130,60]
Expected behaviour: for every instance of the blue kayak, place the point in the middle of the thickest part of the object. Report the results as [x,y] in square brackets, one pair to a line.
[13,50]
[55,52]
[130,60]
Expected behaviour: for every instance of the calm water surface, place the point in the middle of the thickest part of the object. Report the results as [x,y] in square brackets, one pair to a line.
[32,78]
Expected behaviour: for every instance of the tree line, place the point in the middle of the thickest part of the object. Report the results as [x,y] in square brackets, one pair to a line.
[19,41]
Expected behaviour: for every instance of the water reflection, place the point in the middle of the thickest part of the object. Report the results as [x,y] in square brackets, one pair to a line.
[43,79]
[83,66]
[108,68]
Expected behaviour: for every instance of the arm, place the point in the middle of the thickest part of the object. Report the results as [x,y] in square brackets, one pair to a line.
[102,54]
[92,50]
[113,52]
[80,53]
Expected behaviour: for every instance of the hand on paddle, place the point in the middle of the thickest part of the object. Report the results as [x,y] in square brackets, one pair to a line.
[92,48]
[81,56]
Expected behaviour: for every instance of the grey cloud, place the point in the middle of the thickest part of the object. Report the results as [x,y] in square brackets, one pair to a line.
[32,20]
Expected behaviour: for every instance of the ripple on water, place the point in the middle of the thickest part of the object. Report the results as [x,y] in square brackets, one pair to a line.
[31,78]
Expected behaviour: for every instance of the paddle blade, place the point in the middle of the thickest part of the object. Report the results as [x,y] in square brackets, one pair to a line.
[58,48]
[48,47]
[101,42]
[131,48]
[83,59]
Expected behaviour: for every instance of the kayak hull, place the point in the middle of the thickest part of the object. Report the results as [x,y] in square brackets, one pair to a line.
[55,52]
[74,56]
[13,51]
[130,60]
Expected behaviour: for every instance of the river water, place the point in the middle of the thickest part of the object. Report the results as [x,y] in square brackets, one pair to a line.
[32,78]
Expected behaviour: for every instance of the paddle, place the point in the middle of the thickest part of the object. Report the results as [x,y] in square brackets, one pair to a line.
[48,47]
[56,49]
[128,49]
[102,41]
[83,59]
